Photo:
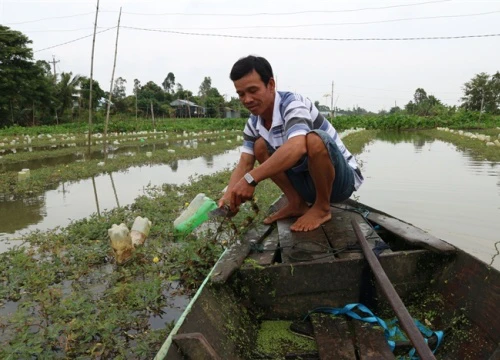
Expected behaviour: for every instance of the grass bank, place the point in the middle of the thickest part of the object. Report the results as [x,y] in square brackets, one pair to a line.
[48,177]
[476,148]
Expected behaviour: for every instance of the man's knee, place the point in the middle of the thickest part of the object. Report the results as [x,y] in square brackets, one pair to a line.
[260,150]
[315,144]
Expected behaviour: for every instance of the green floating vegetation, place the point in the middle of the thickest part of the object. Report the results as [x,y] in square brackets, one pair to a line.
[276,340]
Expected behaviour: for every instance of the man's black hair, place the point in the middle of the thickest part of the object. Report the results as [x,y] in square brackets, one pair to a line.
[246,65]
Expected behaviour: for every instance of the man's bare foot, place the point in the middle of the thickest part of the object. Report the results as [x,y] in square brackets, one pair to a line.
[287,211]
[311,220]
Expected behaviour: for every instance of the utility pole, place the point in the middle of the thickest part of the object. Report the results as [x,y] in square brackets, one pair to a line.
[55,81]
[54,62]
[331,101]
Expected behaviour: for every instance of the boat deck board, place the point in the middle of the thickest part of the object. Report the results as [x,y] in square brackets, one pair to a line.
[333,240]
[332,337]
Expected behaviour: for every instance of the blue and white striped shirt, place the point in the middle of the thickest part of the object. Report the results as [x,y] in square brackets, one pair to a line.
[293,115]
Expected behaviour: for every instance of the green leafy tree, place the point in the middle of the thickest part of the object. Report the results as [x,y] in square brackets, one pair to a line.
[169,83]
[482,92]
[24,85]
[97,93]
[205,87]
[424,104]
[67,94]
[119,95]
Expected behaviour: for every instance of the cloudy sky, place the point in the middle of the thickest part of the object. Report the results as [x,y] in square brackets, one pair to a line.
[157,37]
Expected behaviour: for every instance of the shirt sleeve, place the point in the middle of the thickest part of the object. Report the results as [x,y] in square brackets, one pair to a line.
[250,135]
[297,118]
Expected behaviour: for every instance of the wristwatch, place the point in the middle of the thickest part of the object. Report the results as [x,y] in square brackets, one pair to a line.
[250,180]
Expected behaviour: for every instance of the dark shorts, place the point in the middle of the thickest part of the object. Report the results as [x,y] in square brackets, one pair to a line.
[343,185]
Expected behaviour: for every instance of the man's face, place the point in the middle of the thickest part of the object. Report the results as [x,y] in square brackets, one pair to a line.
[254,94]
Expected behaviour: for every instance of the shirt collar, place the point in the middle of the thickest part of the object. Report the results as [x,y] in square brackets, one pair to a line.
[277,119]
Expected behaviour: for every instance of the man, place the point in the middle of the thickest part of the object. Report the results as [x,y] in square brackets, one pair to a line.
[296,147]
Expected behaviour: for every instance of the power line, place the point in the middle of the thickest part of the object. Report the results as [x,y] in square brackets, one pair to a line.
[315,38]
[74,40]
[48,18]
[289,26]
[291,13]
[341,24]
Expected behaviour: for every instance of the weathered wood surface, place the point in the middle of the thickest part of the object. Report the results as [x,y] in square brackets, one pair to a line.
[289,290]
[236,254]
[371,342]
[302,246]
[333,337]
[393,298]
[341,235]
[473,286]
[269,250]
[195,346]
[496,354]
[410,233]
[220,317]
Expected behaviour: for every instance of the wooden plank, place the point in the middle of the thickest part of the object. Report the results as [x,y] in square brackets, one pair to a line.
[270,250]
[195,346]
[340,233]
[371,342]
[290,290]
[332,337]
[302,246]
[474,287]
[408,232]
[496,354]
[236,254]
[338,230]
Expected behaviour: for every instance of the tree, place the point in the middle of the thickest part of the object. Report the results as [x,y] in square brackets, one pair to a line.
[205,86]
[482,92]
[168,83]
[67,92]
[97,92]
[119,90]
[119,95]
[424,104]
[24,85]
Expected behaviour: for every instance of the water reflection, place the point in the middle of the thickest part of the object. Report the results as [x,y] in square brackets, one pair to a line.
[80,199]
[439,188]
[113,151]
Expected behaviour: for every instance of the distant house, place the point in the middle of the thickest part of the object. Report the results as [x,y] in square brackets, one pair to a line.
[186,108]
[232,113]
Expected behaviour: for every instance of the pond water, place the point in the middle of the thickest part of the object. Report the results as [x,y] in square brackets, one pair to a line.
[78,200]
[114,151]
[437,187]
[429,183]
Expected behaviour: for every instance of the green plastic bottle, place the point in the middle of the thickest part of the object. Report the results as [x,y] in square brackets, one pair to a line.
[194,215]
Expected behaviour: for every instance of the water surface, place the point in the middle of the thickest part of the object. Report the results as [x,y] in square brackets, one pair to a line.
[437,187]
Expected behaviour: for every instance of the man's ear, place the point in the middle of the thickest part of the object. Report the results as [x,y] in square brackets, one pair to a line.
[271,84]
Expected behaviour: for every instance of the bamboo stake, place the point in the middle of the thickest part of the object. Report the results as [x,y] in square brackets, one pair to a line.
[393,298]
[153,115]
[105,148]
[91,77]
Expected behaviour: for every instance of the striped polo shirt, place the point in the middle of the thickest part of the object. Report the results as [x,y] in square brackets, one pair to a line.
[294,115]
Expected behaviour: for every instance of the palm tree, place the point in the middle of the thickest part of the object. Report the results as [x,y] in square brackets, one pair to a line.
[67,91]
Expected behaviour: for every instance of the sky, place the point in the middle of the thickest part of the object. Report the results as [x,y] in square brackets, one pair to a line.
[156,37]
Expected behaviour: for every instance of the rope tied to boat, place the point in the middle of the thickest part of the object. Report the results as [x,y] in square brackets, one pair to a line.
[392,332]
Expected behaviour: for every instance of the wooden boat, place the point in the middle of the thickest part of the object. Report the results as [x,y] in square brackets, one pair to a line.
[297,272]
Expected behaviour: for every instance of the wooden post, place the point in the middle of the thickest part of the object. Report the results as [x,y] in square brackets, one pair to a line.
[393,298]
[153,114]
[105,147]
[91,79]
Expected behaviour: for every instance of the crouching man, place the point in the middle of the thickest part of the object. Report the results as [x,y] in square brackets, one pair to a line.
[296,147]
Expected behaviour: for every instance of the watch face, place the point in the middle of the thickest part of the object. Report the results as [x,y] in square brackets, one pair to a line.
[250,179]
